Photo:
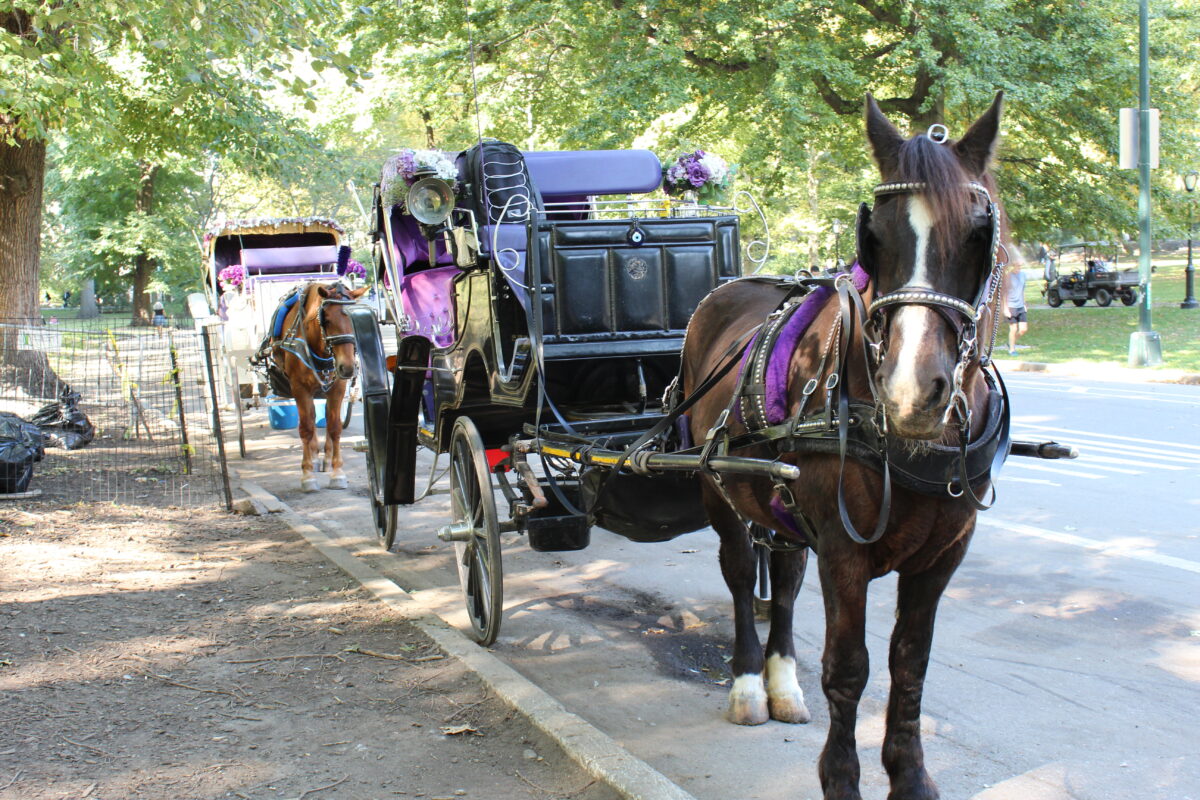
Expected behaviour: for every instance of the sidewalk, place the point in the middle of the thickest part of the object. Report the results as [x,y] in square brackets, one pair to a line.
[1098,372]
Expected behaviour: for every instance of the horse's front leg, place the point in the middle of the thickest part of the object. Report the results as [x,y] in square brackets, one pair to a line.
[747,698]
[333,435]
[308,438]
[844,668]
[785,698]
[916,605]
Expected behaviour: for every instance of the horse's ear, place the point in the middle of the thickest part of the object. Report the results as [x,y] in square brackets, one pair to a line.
[324,291]
[884,137]
[865,240]
[976,148]
[359,292]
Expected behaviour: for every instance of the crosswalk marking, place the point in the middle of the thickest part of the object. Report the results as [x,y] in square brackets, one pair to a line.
[1122,550]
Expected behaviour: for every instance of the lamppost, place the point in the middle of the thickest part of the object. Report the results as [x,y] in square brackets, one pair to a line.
[837,244]
[1189,183]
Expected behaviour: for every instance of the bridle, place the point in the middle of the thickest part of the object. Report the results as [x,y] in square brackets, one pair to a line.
[962,316]
[329,342]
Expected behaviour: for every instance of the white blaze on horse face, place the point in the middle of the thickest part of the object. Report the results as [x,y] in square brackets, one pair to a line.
[922,224]
[912,326]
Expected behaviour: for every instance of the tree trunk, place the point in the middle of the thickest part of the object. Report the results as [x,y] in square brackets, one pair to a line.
[22,171]
[88,309]
[144,265]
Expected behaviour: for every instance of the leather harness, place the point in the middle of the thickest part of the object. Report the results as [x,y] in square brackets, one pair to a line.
[851,427]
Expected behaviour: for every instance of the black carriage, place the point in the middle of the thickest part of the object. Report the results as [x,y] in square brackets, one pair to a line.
[540,302]
[1099,279]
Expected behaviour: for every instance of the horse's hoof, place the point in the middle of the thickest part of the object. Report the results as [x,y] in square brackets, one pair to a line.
[339,482]
[748,701]
[789,709]
[309,485]
[784,695]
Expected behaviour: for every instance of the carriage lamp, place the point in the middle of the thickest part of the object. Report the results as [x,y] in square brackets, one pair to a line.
[430,200]
[1189,183]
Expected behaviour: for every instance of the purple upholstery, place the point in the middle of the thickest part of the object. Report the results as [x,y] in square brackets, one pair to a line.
[287,259]
[410,246]
[428,298]
[574,173]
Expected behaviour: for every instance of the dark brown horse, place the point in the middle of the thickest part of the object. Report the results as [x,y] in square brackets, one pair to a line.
[907,356]
[315,355]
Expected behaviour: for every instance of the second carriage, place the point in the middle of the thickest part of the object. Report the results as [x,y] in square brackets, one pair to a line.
[540,302]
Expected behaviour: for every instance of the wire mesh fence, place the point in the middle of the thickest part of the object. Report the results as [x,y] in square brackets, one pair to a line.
[129,412]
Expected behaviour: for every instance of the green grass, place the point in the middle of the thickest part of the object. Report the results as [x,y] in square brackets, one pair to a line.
[1101,335]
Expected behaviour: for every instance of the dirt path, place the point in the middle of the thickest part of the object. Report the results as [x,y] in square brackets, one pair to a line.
[168,653]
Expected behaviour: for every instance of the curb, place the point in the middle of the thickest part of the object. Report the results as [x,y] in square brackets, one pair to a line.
[596,752]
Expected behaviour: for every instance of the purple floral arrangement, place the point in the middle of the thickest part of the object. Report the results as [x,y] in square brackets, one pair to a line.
[232,276]
[355,269]
[403,169]
[706,174]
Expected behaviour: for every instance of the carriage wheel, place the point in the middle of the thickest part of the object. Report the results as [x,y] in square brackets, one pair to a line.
[349,410]
[384,516]
[477,539]
[1103,298]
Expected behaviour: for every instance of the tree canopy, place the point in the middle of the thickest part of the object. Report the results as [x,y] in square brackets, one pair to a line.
[253,106]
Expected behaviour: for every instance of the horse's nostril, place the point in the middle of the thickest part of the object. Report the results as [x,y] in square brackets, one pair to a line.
[939,392]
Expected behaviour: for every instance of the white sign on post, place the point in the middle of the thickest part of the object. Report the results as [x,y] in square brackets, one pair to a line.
[1129,138]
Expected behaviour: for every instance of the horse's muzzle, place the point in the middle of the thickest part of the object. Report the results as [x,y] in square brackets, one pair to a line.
[345,371]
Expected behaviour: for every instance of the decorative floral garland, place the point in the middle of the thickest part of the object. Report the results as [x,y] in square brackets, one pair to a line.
[706,174]
[408,166]
[234,225]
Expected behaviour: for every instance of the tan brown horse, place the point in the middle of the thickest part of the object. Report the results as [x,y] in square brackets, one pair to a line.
[928,249]
[315,356]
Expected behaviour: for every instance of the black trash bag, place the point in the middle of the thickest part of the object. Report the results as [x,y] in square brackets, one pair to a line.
[13,427]
[16,465]
[64,424]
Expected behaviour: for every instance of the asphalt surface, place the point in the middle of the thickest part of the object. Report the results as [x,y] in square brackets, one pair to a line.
[1066,663]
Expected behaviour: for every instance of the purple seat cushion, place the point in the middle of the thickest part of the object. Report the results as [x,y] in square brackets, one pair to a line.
[277,260]
[577,173]
[428,298]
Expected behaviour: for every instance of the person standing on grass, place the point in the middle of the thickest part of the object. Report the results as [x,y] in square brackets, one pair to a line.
[160,318]
[1014,306]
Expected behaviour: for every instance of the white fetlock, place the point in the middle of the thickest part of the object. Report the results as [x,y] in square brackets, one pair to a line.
[309,484]
[338,481]
[748,700]
[785,698]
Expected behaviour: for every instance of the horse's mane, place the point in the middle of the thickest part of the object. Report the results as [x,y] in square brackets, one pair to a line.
[922,160]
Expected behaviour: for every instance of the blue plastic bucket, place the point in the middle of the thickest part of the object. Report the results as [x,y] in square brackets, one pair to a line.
[282,415]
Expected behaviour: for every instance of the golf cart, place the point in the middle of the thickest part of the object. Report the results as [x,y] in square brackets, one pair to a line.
[1096,277]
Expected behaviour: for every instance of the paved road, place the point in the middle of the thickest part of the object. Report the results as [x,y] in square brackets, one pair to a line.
[1067,658]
